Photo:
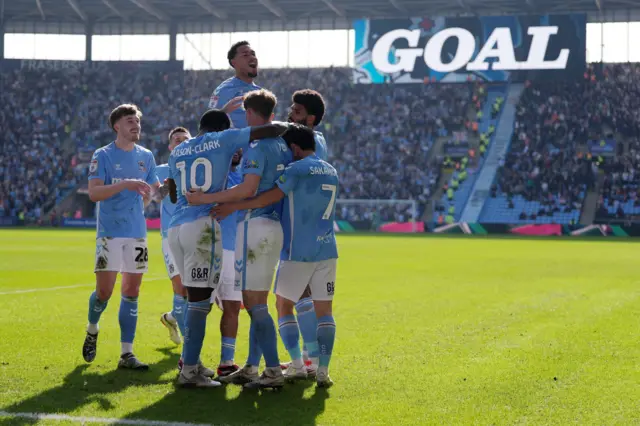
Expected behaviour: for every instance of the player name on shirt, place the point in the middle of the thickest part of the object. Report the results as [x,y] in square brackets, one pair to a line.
[323,171]
[197,149]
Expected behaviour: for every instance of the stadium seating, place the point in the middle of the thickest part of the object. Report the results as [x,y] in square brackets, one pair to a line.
[380,136]
[35,164]
[545,175]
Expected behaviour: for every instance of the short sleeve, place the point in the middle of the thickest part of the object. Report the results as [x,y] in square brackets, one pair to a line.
[214,100]
[288,181]
[152,177]
[236,138]
[98,166]
[254,162]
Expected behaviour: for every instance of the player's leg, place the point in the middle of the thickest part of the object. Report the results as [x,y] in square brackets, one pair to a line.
[230,298]
[108,263]
[135,264]
[262,246]
[322,288]
[291,281]
[249,372]
[202,250]
[308,326]
[174,320]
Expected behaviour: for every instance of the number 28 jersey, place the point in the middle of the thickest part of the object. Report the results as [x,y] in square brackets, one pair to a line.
[310,186]
[203,163]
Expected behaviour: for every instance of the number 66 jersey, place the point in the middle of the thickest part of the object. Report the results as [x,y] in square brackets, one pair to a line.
[201,163]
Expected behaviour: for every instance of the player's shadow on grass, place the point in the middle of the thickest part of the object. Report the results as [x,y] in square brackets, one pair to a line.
[81,388]
[250,407]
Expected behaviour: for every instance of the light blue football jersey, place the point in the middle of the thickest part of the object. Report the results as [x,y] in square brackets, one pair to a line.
[122,215]
[228,224]
[311,188]
[322,150]
[228,90]
[203,163]
[166,207]
[266,159]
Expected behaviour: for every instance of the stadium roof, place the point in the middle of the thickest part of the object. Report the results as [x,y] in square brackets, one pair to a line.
[129,12]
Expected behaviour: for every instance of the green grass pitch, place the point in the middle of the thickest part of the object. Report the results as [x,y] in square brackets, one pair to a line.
[430,331]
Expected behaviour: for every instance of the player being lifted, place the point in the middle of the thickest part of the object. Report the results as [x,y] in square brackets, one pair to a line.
[258,240]
[202,164]
[309,256]
[122,176]
[229,96]
[307,108]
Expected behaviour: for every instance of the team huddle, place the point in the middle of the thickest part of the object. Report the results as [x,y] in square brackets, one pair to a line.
[246,198]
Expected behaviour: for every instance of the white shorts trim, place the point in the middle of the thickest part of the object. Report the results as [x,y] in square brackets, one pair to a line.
[197,250]
[128,255]
[293,277]
[258,246]
[169,261]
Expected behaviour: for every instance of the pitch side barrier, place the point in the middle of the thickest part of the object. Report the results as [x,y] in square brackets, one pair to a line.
[534,230]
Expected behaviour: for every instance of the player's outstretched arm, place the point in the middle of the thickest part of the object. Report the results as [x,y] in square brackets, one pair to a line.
[271,130]
[98,191]
[267,198]
[246,189]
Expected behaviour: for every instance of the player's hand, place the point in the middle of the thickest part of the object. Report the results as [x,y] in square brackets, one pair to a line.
[221,211]
[195,198]
[233,104]
[162,191]
[139,186]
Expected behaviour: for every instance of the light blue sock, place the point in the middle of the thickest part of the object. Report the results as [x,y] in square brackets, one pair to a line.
[178,311]
[308,326]
[255,351]
[290,334]
[266,333]
[195,326]
[128,318]
[96,308]
[326,338]
[228,350]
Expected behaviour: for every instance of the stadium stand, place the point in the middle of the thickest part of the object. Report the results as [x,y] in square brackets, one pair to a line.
[35,116]
[382,151]
[399,124]
[546,173]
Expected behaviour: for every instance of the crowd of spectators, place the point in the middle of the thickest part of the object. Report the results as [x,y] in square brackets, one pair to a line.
[380,136]
[36,109]
[620,196]
[548,163]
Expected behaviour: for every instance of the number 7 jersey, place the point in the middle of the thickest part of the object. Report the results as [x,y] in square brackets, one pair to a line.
[203,163]
[311,187]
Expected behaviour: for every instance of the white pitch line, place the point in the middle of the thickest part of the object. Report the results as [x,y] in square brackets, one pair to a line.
[64,417]
[34,290]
